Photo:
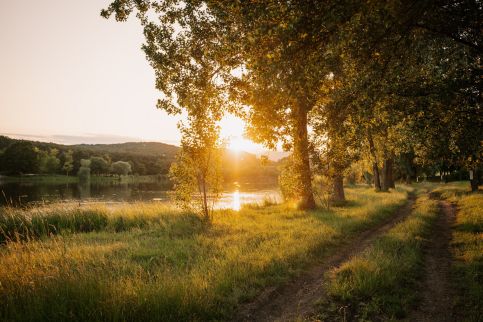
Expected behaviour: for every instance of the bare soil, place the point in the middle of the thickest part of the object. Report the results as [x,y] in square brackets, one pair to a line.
[297,299]
[436,290]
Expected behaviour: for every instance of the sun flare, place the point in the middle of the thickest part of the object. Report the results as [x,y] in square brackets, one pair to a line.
[236,201]
[239,144]
[232,130]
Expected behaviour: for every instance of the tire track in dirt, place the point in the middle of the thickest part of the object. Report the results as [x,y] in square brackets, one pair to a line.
[436,291]
[297,298]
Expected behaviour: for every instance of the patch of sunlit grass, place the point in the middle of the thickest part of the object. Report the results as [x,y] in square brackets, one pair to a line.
[168,265]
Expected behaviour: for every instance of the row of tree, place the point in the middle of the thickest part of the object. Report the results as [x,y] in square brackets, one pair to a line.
[379,82]
[22,157]
[26,157]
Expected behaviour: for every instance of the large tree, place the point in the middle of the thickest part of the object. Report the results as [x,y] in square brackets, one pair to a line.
[269,56]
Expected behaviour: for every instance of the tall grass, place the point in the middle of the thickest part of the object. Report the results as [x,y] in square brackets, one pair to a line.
[379,283]
[32,223]
[173,266]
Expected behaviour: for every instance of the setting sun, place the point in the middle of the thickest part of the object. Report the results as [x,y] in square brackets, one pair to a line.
[232,130]
[238,144]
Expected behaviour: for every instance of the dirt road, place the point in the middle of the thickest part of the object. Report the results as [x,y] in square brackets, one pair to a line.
[297,299]
[437,294]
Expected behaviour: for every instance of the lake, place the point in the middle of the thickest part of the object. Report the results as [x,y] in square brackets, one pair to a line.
[29,193]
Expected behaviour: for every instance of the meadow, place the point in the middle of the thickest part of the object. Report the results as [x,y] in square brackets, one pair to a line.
[147,261]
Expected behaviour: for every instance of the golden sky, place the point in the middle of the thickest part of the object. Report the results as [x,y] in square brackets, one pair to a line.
[70,76]
[67,72]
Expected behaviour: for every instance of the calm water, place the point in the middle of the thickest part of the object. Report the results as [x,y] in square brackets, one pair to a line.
[22,193]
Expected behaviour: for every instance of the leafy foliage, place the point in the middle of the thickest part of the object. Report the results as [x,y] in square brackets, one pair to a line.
[371,71]
[19,158]
[68,165]
[99,165]
[196,174]
[121,168]
[48,161]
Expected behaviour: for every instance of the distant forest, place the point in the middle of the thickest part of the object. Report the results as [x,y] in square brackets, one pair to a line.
[18,157]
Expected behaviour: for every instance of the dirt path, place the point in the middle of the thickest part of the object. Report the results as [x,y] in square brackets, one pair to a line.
[437,293]
[298,298]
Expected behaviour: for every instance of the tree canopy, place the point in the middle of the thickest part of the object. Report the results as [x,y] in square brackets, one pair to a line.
[376,79]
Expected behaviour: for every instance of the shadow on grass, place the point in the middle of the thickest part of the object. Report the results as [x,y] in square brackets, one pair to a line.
[346,204]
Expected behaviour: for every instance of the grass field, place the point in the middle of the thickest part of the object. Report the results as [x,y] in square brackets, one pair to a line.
[148,262]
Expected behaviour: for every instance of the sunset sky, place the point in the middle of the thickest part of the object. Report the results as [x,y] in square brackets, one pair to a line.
[70,76]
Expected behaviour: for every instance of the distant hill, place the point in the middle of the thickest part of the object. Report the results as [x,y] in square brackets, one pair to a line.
[146,158]
[137,148]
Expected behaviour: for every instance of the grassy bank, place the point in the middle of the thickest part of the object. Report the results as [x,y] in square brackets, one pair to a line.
[379,283]
[38,178]
[467,248]
[168,265]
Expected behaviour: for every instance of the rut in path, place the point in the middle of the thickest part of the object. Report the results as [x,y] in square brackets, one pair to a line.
[297,299]
[437,293]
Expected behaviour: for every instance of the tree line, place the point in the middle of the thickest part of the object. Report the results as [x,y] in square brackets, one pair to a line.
[27,157]
[339,83]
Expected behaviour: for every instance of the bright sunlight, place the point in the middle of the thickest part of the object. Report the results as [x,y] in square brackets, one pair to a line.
[236,201]
[232,130]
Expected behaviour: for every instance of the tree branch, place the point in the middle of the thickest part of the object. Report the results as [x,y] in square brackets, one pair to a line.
[449,35]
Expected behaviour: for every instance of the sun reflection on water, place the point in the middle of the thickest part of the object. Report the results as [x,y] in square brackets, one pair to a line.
[236,200]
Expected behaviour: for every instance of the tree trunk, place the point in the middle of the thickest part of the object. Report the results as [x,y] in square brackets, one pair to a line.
[392,184]
[384,177]
[387,177]
[375,168]
[377,181]
[205,201]
[202,191]
[301,157]
[338,188]
[474,180]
